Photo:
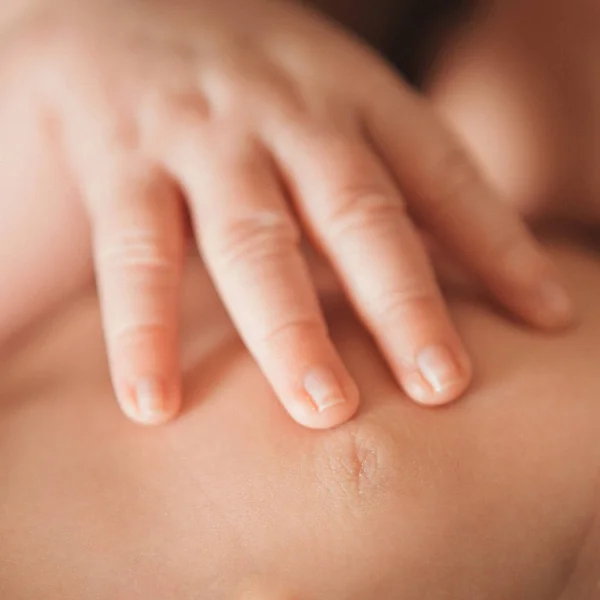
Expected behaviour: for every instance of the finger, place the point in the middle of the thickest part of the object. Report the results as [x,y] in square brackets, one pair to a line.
[446,191]
[356,215]
[138,247]
[250,241]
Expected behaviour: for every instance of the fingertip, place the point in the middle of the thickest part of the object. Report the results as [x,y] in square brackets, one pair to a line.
[328,419]
[557,308]
[541,300]
[439,376]
[322,401]
[149,401]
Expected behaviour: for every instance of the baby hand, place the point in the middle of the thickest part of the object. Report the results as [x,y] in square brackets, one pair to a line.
[265,122]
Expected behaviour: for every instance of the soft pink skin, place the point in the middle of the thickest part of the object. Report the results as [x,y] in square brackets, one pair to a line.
[494,497]
[121,111]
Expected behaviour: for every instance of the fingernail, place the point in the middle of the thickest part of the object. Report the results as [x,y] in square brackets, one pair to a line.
[323,388]
[556,299]
[416,387]
[150,399]
[439,368]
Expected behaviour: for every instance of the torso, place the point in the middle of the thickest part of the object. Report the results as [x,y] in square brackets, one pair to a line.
[496,497]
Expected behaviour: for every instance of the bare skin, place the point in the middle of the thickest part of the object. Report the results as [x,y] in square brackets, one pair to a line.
[521,87]
[495,497]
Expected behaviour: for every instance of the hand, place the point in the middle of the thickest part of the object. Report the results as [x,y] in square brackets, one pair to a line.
[266,123]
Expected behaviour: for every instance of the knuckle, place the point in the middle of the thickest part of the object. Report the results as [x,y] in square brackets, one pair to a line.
[139,334]
[246,80]
[410,302]
[279,91]
[364,208]
[141,256]
[292,329]
[191,108]
[354,464]
[254,238]
[226,77]
[116,130]
[174,119]
[280,96]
